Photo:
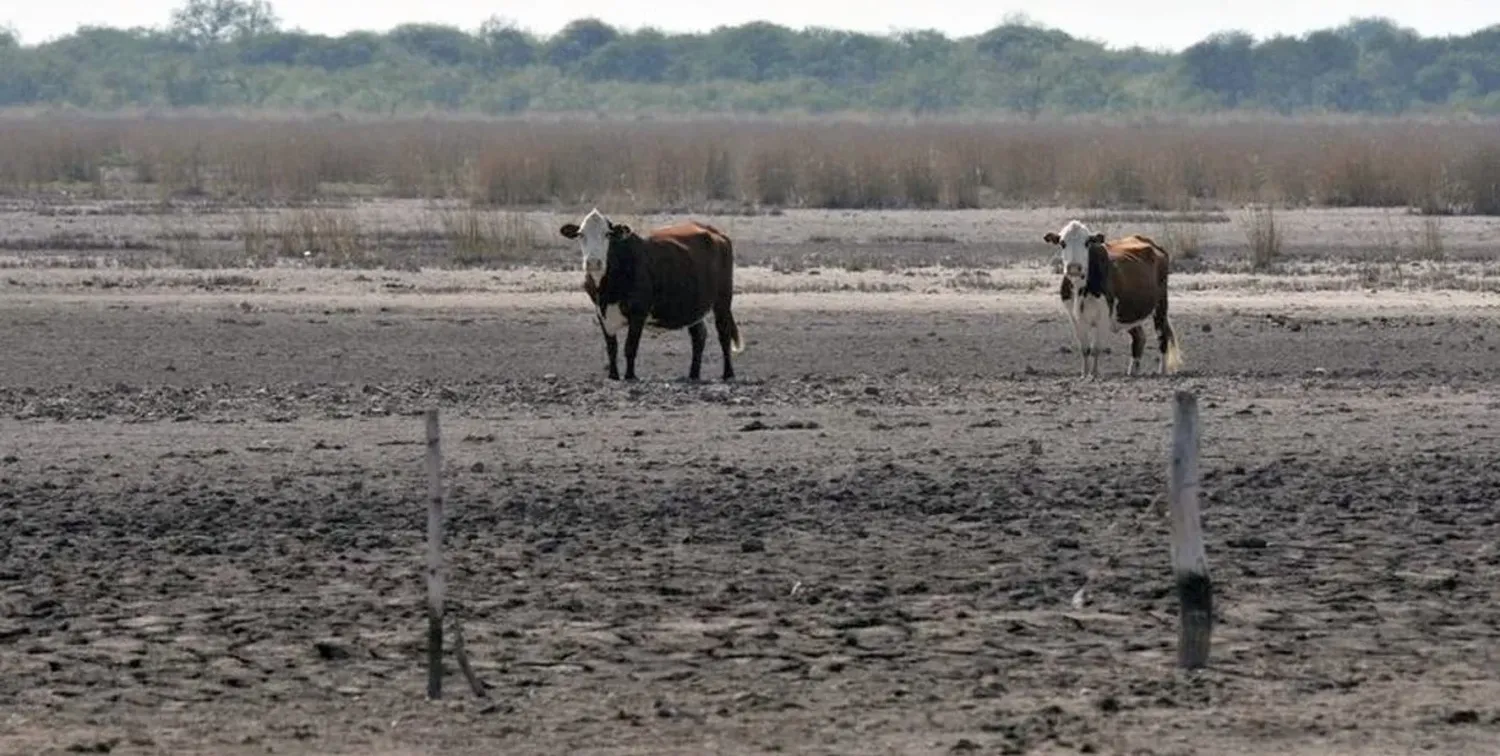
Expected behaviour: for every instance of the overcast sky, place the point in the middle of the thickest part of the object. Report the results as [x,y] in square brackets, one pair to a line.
[1154,24]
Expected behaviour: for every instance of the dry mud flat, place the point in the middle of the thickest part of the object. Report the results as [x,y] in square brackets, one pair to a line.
[212,507]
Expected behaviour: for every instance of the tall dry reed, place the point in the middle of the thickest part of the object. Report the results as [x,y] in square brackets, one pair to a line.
[657,165]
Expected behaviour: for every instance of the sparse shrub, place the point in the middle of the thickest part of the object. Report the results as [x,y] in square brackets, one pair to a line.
[1264,237]
[1429,242]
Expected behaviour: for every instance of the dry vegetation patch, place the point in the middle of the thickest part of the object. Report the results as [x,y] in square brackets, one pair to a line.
[648,165]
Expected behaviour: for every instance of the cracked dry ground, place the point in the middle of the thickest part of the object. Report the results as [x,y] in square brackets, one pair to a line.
[213,535]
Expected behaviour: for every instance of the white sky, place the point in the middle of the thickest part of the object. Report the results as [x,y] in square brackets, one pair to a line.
[1153,24]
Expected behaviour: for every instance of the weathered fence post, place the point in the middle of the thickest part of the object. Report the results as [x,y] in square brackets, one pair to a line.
[435,587]
[1195,590]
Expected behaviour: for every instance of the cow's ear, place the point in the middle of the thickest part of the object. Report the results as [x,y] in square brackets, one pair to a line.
[1051,237]
[1096,239]
[569,230]
[618,230]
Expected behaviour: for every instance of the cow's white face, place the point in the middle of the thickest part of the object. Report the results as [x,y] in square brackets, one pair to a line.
[593,239]
[1073,241]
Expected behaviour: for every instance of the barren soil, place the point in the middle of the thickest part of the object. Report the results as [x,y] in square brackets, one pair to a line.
[908,528]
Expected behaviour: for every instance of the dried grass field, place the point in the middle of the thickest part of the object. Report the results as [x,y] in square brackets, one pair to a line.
[212,491]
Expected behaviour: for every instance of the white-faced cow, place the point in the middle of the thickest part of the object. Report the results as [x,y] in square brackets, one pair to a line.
[672,278]
[1113,286]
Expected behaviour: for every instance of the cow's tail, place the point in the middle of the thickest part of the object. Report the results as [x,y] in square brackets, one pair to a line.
[724,313]
[736,344]
[1173,352]
[1171,349]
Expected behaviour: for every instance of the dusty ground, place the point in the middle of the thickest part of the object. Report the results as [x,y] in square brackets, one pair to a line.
[212,501]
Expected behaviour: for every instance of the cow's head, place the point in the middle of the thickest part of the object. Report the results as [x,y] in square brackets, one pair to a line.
[1074,241]
[593,239]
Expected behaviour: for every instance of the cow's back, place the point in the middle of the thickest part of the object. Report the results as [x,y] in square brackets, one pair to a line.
[1136,276]
[691,265]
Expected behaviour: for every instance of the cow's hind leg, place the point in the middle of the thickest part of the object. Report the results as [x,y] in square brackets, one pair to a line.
[1137,348]
[633,344]
[699,334]
[729,336]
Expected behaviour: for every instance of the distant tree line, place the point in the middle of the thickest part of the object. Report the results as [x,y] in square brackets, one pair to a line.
[235,53]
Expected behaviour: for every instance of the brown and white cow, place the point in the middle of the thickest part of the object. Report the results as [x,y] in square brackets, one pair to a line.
[1113,286]
[672,278]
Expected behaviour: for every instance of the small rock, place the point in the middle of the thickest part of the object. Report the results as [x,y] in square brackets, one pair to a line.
[1463,716]
[1247,542]
[101,746]
[964,745]
[477,467]
[752,546]
[331,650]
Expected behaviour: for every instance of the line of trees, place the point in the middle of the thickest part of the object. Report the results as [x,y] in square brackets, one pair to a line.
[235,53]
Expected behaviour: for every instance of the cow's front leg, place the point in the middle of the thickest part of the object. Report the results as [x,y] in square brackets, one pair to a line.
[1091,324]
[612,346]
[1080,339]
[633,344]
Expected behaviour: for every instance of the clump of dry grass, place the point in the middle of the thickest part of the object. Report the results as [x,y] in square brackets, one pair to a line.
[1428,244]
[482,239]
[1263,236]
[337,237]
[833,163]
[330,237]
[1183,239]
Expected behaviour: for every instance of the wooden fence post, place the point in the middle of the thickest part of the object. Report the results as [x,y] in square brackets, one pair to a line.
[435,587]
[1195,590]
